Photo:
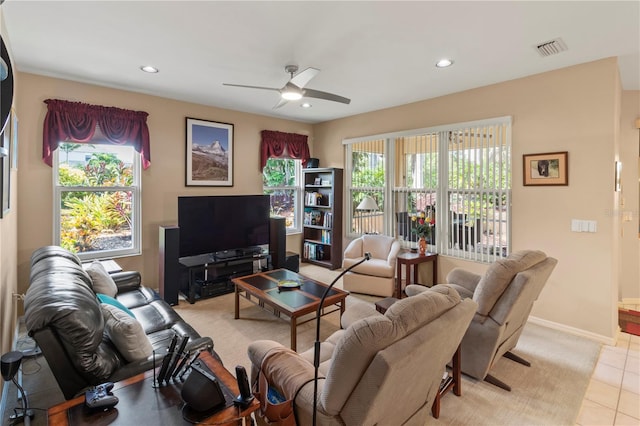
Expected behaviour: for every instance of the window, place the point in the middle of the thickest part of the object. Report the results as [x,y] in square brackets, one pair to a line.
[368,161]
[281,180]
[456,176]
[97,199]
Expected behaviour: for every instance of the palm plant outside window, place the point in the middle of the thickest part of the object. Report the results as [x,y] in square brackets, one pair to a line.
[97,199]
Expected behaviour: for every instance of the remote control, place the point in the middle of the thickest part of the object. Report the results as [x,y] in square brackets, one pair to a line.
[245,396]
[100,397]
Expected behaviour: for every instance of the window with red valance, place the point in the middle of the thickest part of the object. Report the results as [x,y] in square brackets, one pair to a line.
[77,121]
[283,145]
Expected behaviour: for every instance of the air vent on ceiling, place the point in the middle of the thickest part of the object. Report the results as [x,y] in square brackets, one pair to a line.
[552,47]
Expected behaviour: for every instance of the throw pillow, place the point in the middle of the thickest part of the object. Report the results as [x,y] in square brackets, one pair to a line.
[102,281]
[103,298]
[126,333]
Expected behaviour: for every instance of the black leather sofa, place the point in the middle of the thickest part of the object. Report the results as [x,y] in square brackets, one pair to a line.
[63,315]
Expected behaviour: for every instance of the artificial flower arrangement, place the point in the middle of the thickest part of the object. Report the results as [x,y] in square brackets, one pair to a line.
[424,224]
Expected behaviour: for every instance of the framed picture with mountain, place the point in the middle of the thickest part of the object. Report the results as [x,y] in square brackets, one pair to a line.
[209,153]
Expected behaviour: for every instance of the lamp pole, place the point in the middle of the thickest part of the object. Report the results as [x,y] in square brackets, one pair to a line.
[316,352]
[9,366]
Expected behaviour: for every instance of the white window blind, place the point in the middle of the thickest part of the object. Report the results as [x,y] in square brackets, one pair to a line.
[457,176]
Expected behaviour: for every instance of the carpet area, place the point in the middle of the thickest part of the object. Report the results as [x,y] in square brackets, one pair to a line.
[549,392]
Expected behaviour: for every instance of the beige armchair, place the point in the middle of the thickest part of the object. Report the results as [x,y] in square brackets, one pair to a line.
[378,369]
[505,297]
[377,275]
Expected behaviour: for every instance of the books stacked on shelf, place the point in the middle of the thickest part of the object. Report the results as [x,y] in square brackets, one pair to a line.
[312,217]
[313,199]
[328,220]
[313,251]
[326,237]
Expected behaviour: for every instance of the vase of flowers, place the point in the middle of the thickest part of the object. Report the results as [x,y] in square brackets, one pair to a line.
[423,228]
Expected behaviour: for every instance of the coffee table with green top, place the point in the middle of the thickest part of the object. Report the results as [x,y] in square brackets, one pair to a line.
[295,297]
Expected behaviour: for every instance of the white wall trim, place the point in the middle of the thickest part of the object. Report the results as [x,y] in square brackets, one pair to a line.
[631,301]
[575,331]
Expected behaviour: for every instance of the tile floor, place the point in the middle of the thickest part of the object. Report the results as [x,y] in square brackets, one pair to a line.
[613,395]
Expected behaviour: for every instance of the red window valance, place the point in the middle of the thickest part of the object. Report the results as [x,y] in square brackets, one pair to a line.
[76,121]
[283,145]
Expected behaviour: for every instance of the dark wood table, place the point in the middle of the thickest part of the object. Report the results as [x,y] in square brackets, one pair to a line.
[142,403]
[293,303]
[452,381]
[412,260]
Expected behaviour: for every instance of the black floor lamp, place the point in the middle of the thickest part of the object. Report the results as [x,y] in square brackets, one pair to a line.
[316,353]
[9,365]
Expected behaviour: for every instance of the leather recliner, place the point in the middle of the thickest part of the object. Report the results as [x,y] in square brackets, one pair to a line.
[63,315]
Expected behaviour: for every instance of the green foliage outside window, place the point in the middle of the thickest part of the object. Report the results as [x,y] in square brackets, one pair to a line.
[279,182]
[86,215]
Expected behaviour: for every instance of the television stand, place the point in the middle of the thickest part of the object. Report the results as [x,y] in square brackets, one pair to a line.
[209,275]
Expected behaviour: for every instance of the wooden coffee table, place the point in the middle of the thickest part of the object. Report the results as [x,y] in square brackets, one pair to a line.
[143,404]
[293,303]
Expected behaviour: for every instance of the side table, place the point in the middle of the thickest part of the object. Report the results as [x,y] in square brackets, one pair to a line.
[412,260]
[143,404]
[452,381]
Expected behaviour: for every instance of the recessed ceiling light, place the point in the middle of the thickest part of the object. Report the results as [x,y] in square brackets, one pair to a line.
[149,69]
[306,105]
[443,63]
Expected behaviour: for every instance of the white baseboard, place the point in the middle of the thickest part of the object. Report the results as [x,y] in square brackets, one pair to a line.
[575,331]
[631,301]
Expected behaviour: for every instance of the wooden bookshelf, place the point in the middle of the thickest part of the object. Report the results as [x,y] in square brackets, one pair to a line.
[322,221]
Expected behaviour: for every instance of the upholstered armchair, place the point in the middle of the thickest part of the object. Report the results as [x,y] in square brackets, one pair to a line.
[379,369]
[377,275]
[505,297]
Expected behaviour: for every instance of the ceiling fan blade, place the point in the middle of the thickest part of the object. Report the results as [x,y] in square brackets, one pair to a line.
[282,102]
[303,77]
[251,87]
[310,93]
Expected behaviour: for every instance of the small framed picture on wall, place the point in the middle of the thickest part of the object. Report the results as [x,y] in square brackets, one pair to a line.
[550,168]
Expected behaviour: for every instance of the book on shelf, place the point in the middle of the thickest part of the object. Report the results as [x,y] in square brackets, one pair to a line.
[313,198]
[328,220]
[313,251]
[313,217]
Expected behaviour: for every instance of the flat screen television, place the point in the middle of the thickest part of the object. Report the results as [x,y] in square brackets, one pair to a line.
[215,224]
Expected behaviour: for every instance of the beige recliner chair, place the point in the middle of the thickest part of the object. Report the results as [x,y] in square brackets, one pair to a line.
[505,296]
[377,276]
[380,369]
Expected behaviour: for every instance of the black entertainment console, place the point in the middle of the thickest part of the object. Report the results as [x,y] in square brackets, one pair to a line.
[209,275]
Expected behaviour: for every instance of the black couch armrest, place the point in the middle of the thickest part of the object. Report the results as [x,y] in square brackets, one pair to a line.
[127,280]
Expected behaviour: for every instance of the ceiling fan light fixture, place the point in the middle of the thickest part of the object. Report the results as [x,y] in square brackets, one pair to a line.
[291,95]
[444,63]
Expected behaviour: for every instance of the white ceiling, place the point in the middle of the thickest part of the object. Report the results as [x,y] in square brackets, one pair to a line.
[379,54]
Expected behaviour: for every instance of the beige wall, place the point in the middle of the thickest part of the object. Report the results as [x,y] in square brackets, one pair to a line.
[162,183]
[574,110]
[629,155]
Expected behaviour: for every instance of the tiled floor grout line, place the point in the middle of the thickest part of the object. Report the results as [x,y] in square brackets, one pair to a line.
[618,416]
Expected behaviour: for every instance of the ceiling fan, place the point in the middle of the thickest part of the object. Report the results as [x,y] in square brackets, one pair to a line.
[295,87]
